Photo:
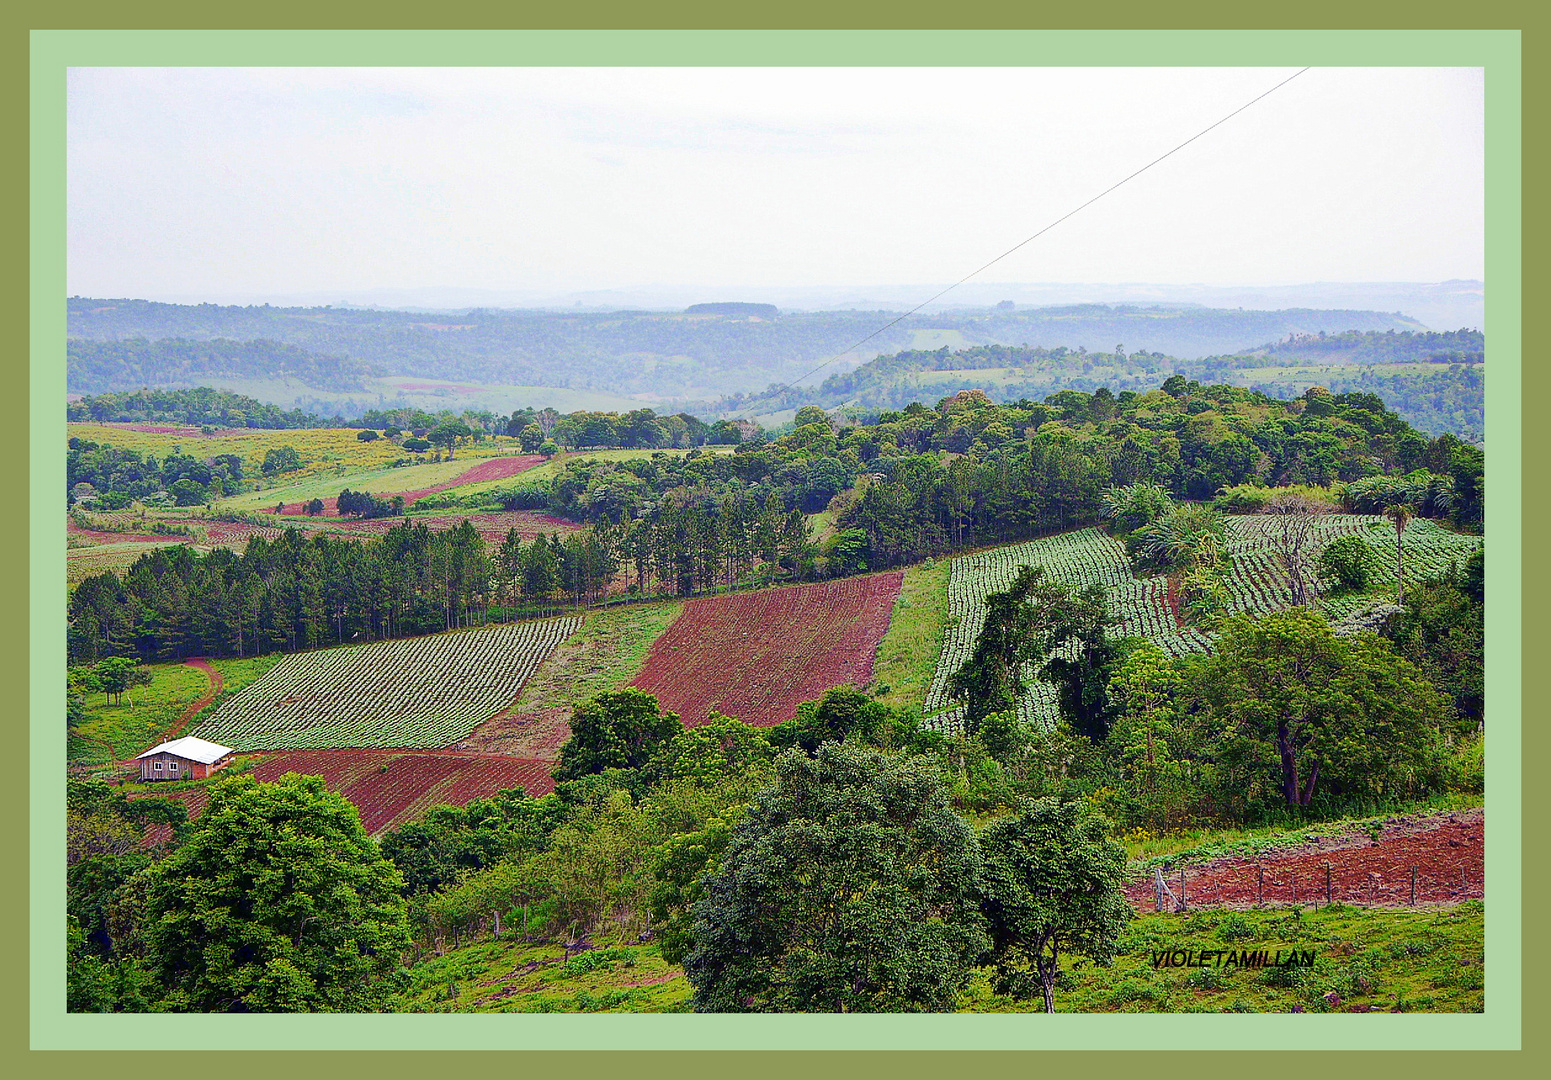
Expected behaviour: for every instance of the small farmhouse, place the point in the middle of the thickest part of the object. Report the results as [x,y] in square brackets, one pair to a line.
[187,758]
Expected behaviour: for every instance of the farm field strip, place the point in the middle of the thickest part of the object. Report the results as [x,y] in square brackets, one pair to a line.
[758,655]
[1446,852]
[388,787]
[1255,584]
[391,788]
[420,692]
[486,471]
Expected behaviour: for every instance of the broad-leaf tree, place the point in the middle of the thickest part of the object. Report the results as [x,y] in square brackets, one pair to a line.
[617,729]
[1052,884]
[279,902]
[1295,699]
[849,887]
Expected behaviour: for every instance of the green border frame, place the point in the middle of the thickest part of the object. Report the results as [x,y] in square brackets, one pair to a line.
[51,51]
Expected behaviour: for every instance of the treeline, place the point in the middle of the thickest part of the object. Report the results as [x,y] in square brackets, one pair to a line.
[921,480]
[294,593]
[107,477]
[94,366]
[198,407]
[1450,397]
[1462,346]
[1436,401]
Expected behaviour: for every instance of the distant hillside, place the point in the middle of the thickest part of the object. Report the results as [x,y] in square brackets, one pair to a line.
[677,355]
[1436,382]
[764,311]
[129,364]
[1406,347]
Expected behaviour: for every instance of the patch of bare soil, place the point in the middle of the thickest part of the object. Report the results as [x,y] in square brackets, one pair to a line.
[1442,854]
[537,734]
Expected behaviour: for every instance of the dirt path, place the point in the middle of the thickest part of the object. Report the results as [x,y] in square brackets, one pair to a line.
[216,682]
[1445,852]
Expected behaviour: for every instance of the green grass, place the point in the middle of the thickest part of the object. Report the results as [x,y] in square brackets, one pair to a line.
[555,465]
[129,729]
[821,526]
[931,339]
[1428,960]
[1380,960]
[907,655]
[377,481]
[605,654]
[132,729]
[509,976]
[1213,843]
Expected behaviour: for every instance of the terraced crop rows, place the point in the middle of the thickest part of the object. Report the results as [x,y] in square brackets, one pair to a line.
[422,693]
[1257,583]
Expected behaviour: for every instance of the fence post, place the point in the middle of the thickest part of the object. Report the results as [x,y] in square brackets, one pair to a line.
[1157,873]
[1260,885]
[1182,883]
[1327,885]
[1413,886]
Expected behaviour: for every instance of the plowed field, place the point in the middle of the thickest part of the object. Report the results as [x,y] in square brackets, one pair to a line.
[1445,850]
[389,787]
[758,655]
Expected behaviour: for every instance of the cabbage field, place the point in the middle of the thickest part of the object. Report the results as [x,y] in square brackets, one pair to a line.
[423,693]
[1256,584]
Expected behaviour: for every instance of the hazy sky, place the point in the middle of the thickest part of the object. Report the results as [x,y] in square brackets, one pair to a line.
[242,184]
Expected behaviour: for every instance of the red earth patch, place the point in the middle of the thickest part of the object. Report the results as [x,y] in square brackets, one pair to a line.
[758,655]
[1445,851]
[390,787]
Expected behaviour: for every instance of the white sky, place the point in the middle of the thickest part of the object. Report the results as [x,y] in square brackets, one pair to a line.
[241,184]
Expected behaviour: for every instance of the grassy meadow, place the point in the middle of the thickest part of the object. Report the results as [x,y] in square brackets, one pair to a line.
[907,655]
[605,654]
[1364,960]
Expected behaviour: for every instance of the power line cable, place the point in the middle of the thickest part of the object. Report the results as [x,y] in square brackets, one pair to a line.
[1023,243]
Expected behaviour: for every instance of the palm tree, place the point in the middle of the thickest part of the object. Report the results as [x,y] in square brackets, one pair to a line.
[1400,514]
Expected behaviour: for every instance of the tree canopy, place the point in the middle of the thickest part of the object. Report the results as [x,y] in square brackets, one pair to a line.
[279,902]
[847,888]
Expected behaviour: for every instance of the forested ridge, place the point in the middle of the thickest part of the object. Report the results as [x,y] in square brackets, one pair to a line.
[199,406]
[1443,392]
[93,366]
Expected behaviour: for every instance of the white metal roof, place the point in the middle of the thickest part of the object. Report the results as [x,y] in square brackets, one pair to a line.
[206,753]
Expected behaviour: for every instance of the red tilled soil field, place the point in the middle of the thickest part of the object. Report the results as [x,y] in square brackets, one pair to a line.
[758,655]
[103,536]
[391,787]
[1446,851]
